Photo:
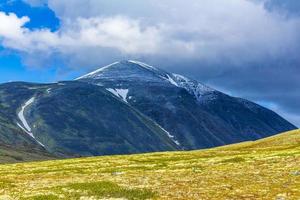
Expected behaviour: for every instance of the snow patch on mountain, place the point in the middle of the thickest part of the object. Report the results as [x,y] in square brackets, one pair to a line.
[195,88]
[25,126]
[21,114]
[160,73]
[171,80]
[121,93]
[143,64]
[172,137]
[181,78]
[94,73]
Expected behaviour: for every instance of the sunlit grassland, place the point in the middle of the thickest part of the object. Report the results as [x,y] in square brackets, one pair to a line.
[266,169]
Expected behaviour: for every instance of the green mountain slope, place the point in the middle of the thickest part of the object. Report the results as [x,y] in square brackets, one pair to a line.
[73,119]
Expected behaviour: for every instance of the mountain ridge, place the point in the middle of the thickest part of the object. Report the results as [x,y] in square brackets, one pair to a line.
[128,107]
[204,95]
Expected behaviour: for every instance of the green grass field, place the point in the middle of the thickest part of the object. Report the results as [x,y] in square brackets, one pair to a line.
[265,169]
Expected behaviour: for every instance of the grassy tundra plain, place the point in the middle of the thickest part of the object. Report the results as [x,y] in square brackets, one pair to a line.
[264,169]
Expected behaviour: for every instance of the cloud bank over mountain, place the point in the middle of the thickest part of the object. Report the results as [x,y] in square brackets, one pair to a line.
[236,31]
[249,48]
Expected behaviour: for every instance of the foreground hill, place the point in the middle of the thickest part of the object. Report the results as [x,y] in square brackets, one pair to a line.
[127,107]
[264,169]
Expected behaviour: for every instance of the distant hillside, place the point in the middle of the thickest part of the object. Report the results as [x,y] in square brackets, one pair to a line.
[9,154]
[264,169]
[290,139]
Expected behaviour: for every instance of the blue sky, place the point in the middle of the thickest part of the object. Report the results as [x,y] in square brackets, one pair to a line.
[247,48]
[11,65]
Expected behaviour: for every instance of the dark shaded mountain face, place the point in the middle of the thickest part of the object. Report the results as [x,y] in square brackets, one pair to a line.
[126,107]
[196,115]
[76,119]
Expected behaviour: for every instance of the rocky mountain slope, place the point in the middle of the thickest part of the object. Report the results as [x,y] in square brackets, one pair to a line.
[196,115]
[77,119]
[127,107]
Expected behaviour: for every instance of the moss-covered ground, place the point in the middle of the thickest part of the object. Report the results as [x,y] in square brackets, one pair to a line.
[265,169]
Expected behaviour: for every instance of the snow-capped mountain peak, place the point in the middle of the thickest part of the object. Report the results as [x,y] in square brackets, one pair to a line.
[126,70]
[135,72]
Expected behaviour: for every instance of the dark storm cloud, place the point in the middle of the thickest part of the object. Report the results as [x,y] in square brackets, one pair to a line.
[288,7]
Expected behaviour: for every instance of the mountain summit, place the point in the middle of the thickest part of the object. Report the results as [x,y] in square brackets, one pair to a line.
[130,72]
[127,107]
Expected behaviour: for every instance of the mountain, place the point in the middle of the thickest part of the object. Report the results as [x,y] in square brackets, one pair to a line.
[127,107]
[195,114]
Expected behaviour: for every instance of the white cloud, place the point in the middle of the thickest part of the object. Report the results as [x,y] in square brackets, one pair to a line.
[10,26]
[121,33]
[13,34]
[118,32]
[210,30]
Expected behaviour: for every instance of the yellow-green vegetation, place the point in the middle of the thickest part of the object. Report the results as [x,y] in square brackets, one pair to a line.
[265,169]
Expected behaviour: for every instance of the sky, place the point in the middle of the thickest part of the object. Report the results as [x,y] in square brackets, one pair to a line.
[245,48]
